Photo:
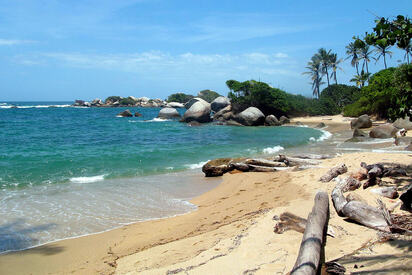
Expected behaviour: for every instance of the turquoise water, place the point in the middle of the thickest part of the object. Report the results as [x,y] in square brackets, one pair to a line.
[66,171]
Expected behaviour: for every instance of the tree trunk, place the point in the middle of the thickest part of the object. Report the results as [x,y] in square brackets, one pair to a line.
[334,172]
[327,74]
[384,60]
[308,259]
[388,192]
[265,162]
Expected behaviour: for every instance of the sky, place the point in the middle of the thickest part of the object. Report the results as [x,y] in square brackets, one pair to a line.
[62,50]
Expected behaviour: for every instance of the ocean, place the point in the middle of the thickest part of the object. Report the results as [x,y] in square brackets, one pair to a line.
[67,172]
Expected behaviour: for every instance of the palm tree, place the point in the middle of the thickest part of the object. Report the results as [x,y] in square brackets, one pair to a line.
[408,51]
[383,50]
[364,54]
[334,62]
[360,79]
[315,72]
[324,57]
[353,52]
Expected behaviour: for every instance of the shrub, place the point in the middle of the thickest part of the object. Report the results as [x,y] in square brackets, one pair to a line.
[112,99]
[208,95]
[179,97]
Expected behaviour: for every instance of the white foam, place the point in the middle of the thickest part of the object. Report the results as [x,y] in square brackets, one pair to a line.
[273,150]
[325,135]
[87,179]
[5,106]
[196,165]
[378,141]
[156,119]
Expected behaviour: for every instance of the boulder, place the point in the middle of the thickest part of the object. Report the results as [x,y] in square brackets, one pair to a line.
[363,121]
[320,125]
[232,122]
[87,104]
[284,120]
[199,111]
[97,102]
[168,113]
[403,123]
[175,105]
[359,133]
[383,131]
[409,147]
[252,116]
[299,123]
[223,114]
[271,120]
[219,103]
[137,114]
[143,99]
[78,102]
[125,113]
[193,101]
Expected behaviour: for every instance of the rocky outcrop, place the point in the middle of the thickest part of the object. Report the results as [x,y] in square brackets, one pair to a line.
[219,103]
[320,125]
[361,122]
[404,123]
[271,120]
[224,114]
[137,114]
[359,133]
[125,113]
[175,105]
[383,131]
[168,113]
[199,111]
[252,116]
[97,102]
[284,120]
[193,101]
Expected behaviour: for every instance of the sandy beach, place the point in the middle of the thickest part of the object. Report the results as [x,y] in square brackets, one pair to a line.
[232,230]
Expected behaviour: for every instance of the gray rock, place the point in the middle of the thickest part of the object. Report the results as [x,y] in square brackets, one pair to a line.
[199,111]
[125,113]
[219,103]
[232,122]
[284,120]
[299,123]
[223,114]
[252,116]
[361,122]
[403,123]
[78,102]
[174,105]
[193,101]
[97,102]
[168,113]
[359,133]
[137,114]
[271,120]
[383,131]
[87,104]
[320,125]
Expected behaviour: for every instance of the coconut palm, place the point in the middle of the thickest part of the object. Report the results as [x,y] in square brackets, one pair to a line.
[353,52]
[324,57]
[360,79]
[315,72]
[334,62]
[365,54]
[383,50]
[408,52]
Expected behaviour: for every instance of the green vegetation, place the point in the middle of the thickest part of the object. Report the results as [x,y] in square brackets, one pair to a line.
[112,99]
[208,95]
[128,101]
[275,101]
[179,97]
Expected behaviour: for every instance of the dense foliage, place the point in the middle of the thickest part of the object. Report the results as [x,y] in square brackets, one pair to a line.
[112,99]
[179,97]
[127,101]
[208,95]
[275,101]
[388,95]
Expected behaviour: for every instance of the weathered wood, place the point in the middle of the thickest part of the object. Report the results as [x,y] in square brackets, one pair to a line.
[308,259]
[256,168]
[265,162]
[240,166]
[311,156]
[291,161]
[371,182]
[289,221]
[388,192]
[334,172]
[365,214]
[361,174]
[348,183]
[338,200]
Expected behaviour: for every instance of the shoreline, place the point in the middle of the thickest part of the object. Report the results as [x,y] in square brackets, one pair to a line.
[225,210]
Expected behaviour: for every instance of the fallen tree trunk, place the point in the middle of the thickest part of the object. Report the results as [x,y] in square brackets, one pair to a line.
[388,192]
[240,166]
[256,168]
[265,162]
[308,259]
[357,211]
[312,156]
[291,161]
[334,172]
[348,183]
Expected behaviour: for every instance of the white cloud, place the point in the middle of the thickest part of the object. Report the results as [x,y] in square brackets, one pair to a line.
[12,42]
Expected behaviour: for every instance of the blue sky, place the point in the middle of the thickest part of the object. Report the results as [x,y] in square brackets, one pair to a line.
[66,50]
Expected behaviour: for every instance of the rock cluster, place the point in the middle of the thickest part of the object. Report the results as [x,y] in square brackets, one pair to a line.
[130,101]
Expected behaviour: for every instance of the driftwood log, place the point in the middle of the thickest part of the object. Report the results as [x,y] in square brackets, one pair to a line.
[388,192]
[348,183]
[308,259]
[291,161]
[334,172]
[358,211]
[265,162]
[289,221]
